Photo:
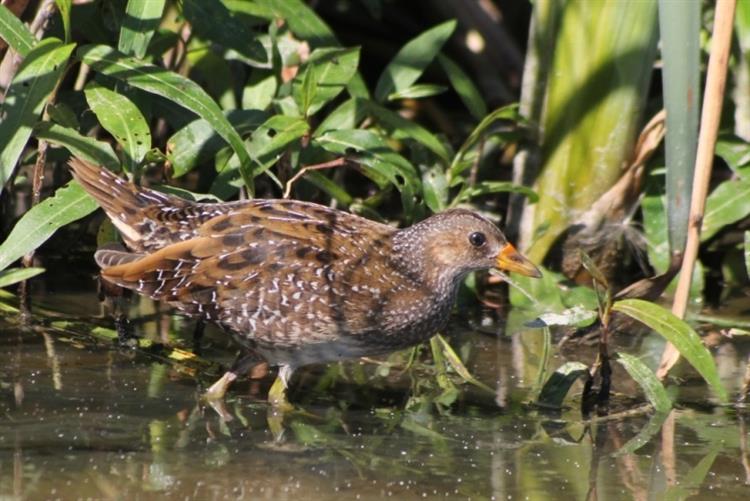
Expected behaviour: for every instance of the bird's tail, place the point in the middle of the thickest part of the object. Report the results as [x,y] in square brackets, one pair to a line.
[136,212]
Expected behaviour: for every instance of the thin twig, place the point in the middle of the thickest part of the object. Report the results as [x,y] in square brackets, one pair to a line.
[339,162]
[710,116]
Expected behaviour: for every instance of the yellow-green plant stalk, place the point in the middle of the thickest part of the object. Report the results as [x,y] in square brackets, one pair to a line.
[595,95]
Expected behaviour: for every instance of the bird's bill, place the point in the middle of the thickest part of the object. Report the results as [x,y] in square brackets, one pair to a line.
[509,259]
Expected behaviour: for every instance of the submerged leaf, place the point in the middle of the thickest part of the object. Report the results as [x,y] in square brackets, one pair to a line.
[577,316]
[557,386]
[648,381]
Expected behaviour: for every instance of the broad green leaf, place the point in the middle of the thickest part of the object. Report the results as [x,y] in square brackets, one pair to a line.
[726,204]
[15,33]
[87,148]
[68,204]
[213,21]
[347,115]
[172,86]
[63,114]
[274,136]
[464,87]
[435,189]
[378,160]
[27,94]
[259,92]
[121,118]
[326,73]
[680,334]
[734,151]
[335,191]
[558,385]
[457,364]
[647,380]
[509,112]
[417,91]
[577,316]
[198,141]
[410,62]
[487,187]
[401,128]
[142,17]
[680,33]
[14,275]
[63,7]
[217,76]
[308,26]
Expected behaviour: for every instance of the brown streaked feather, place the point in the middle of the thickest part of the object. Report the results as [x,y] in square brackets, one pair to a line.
[147,219]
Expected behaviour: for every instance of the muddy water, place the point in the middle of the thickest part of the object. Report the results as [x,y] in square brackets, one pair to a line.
[86,419]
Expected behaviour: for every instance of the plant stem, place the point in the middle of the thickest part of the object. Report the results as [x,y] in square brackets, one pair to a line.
[711,114]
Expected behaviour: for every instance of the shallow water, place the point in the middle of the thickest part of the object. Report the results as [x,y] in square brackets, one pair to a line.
[85,419]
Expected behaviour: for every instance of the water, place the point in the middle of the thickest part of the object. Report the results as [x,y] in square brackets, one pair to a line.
[84,419]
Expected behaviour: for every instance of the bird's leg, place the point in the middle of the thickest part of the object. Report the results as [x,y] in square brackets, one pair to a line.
[241,366]
[277,393]
[200,327]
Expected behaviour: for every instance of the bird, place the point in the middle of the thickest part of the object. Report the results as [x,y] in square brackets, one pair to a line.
[293,282]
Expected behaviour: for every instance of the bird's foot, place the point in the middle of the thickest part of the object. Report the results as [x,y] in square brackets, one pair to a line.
[217,390]
[277,397]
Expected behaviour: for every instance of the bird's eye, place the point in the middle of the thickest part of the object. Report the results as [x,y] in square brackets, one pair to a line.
[477,239]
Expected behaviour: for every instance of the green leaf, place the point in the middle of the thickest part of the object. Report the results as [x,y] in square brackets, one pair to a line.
[417,91]
[347,115]
[410,62]
[326,74]
[578,316]
[142,17]
[15,33]
[680,31]
[487,187]
[68,204]
[726,204]
[379,162]
[14,275]
[680,334]
[734,151]
[259,92]
[558,385]
[121,118]
[64,6]
[464,87]
[435,189]
[198,141]
[509,112]
[330,187]
[88,148]
[27,94]
[274,136]
[172,86]
[401,128]
[213,21]
[647,380]
[457,364]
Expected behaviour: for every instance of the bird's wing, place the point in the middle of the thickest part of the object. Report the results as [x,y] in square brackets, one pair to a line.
[275,268]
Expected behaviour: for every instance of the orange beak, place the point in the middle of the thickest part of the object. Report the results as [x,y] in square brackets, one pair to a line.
[509,259]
